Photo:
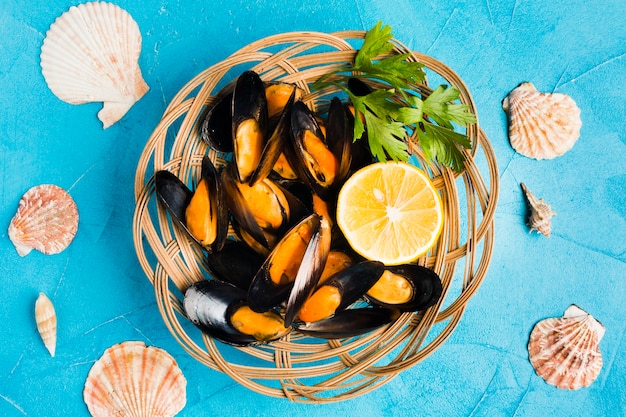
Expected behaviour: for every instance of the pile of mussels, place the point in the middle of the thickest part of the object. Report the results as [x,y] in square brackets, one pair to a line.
[288,267]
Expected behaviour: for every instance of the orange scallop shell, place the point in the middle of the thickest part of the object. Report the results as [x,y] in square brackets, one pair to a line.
[565,351]
[132,380]
[541,125]
[46,220]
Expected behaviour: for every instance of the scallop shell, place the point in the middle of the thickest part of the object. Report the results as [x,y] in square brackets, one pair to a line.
[133,380]
[541,213]
[565,351]
[90,54]
[46,319]
[541,125]
[46,220]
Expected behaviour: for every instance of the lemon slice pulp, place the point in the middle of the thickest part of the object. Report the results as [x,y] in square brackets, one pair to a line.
[390,212]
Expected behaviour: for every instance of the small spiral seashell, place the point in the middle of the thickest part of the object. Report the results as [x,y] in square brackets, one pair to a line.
[540,214]
[46,320]
[46,220]
[131,379]
[565,351]
[541,125]
[90,54]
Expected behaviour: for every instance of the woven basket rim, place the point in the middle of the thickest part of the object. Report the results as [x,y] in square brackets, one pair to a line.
[295,368]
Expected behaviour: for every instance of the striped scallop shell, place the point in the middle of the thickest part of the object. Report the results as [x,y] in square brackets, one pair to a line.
[46,220]
[46,320]
[90,54]
[132,380]
[541,125]
[565,351]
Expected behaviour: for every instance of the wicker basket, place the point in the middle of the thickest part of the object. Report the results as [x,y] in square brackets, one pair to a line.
[299,368]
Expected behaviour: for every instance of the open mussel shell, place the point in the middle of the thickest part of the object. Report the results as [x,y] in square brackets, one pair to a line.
[341,290]
[299,256]
[216,129]
[177,199]
[236,263]
[406,287]
[339,136]
[311,269]
[349,323]
[314,162]
[276,142]
[249,123]
[262,207]
[213,306]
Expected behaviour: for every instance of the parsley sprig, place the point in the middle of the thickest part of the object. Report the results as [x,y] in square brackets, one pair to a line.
[432,117]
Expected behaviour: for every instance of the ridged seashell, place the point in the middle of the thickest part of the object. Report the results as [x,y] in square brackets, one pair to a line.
[46,220]
[565,351]
[90,54]
[46,320]
[540,213]
[541,125]
[131,379]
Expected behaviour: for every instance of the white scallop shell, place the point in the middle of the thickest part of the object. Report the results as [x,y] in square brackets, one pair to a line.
[46,320]
[90,54]
[541,125]
[541,213]
[132,380]
[46,220]
[565,351]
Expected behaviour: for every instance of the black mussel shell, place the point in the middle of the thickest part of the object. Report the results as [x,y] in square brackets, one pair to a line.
[358,87]
[210,305]
[216,129]
[304,120]
[425,285]
[349,323]
[350,283]
[175,196]
[354,281]
[339,136]
[249,103]
[264,293]
[235,263]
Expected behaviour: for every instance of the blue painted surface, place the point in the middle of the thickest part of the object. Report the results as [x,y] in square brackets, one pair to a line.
[102,297]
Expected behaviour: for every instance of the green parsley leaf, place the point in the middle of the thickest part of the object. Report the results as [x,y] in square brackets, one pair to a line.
[438,106]
[440,144]
[388,113]
[383,131]
[376,42]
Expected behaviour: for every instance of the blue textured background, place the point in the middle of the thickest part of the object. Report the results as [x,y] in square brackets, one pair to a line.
[102,297]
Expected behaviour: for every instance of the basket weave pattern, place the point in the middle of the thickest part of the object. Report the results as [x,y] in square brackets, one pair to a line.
[299,368]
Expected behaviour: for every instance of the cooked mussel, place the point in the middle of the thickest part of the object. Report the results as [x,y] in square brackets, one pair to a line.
[294,265]
[220,310]
[249,123]
[348,323]
[339,136]
[263,206]
[406,287]
[274,145]
[278,94]
[202,213]
[314,162]
[341,290]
